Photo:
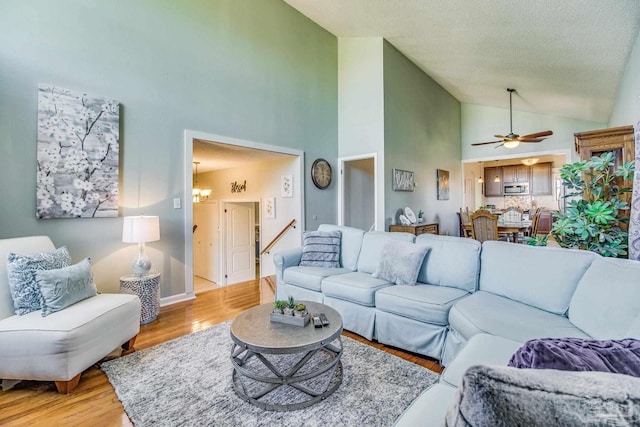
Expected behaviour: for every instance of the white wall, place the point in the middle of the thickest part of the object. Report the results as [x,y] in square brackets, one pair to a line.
[359,189]
[480,123]
[361,104]
[626,110]
[263,180]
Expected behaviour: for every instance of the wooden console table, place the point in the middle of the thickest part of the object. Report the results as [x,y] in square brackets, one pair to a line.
[417,229]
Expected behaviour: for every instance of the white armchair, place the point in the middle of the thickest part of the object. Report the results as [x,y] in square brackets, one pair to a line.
[60,346]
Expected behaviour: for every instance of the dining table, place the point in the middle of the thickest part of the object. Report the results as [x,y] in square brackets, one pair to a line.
[510,228]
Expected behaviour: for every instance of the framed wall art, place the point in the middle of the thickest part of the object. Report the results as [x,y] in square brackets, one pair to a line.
[402,180]
[286,186]
[77,154]
[270,207]
[442,184]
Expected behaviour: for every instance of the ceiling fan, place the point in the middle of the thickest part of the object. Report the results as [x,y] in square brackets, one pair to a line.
[512,140]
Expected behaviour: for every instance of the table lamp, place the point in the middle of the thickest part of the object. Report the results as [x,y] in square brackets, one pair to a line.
[140,229]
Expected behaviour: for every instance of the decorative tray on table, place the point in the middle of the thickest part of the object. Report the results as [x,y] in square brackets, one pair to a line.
[290,320]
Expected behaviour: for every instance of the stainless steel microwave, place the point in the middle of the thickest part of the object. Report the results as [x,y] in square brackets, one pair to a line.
[516,189]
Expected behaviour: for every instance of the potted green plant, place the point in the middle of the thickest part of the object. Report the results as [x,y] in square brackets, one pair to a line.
[291,305]
[420,215]
[593,216]
[300,310]
[278,306]
[537,240]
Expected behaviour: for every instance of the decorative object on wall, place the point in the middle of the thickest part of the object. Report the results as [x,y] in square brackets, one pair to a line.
[269,207]
[321,173]
[286,186]
[238,188]
[198,194]
[443,184]
[140,229]
[78,154]
[634,221]
[402,180]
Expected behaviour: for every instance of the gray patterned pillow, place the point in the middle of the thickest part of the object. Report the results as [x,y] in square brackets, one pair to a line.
[21,270]
[321,249]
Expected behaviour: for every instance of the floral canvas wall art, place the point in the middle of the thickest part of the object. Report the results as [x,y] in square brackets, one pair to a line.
[78,154]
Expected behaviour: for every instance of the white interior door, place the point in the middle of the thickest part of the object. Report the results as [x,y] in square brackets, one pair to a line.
[205,241]
[470,193]
[240,242]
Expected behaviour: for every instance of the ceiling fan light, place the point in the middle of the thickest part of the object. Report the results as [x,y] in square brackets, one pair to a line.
[530,161]
[511,144]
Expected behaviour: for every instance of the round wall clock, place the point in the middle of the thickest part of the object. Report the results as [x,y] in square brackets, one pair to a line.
[321,173]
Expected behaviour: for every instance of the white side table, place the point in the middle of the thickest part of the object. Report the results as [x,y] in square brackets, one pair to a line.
[147,288]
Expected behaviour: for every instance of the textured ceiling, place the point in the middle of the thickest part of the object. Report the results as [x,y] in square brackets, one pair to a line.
[215,156]
[565,57]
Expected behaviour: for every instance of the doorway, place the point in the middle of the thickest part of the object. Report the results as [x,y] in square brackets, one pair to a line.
[257,170]
[358,192]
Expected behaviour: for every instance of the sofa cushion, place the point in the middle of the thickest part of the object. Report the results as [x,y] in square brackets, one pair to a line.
[321,249]
[507,270]
[577,354]
[350,244]
[493,314]
[356,287]
[501,396]
[400,262]
[310,277]
[428,409]
[451,261]
[62,287]
[21,270]
[59,346]
[482,349]
[372,245]
[425,303]
[607,300]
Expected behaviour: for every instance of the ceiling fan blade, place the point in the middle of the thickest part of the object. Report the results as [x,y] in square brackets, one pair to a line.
[536,140]
[498,146]
[499,136]
[485,143]
[537,135]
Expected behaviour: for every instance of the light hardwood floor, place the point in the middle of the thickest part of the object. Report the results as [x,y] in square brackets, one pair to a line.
[94,403]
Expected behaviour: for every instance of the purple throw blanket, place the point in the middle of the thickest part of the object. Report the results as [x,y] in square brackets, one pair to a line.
[576,354]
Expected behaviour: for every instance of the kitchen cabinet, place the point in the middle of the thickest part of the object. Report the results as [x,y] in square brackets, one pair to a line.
[515,173]
[492,188]
[541,179]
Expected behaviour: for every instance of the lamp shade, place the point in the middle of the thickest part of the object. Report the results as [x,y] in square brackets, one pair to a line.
[140,229]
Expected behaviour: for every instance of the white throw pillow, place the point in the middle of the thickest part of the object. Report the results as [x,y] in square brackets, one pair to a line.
[400,262]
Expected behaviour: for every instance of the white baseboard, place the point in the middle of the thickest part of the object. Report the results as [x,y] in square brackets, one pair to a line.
[174,299]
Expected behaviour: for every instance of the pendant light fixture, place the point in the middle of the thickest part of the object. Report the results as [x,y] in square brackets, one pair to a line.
[198,195]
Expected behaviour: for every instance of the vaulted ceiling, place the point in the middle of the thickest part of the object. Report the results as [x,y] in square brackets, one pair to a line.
[565,57]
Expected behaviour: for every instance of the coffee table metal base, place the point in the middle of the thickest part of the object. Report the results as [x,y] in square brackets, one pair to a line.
[292,376]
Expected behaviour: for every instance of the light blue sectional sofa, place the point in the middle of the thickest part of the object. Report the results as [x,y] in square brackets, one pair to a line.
[472,303]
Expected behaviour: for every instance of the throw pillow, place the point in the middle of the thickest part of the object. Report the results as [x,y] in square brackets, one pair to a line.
[501,396]
[66,286]
[21,270]
[321,249]
[400,262]
[576,354]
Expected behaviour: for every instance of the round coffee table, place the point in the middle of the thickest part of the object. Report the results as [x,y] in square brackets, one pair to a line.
[281,367]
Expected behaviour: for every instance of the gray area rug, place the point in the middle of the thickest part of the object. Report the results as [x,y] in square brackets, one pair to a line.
[187,382]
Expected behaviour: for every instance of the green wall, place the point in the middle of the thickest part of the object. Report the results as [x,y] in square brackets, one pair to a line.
[421,134]
[254,70]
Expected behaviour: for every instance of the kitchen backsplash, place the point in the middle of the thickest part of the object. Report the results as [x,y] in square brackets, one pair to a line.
[522,202]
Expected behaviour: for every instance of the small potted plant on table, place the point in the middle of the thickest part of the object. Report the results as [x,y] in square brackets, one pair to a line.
[300,310]
[278,306]
[291,305]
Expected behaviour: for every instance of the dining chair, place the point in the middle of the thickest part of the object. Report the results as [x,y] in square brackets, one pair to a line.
[512,215]
[465,219]
[484,226]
